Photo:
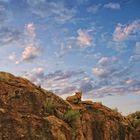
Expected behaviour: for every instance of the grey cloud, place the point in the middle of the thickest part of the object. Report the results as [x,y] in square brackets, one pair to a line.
[55,10]
[111,76]
[86,86]
[66,90]
[66,82]
[8,36]
[60,75]
[112,90]
[36,75]
[60,81]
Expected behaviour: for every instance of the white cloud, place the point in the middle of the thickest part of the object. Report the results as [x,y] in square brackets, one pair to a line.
[12,56]
[130,81]
[107,60]
[104,61]
[84,38]
[111,5]
[30,30]
[30,52]
[31,49]
[123,32]
[100,72]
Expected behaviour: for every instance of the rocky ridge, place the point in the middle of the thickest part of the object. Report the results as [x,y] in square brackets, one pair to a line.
[28,112]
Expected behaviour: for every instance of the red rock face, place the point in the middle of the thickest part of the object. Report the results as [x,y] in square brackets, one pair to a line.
[28,112]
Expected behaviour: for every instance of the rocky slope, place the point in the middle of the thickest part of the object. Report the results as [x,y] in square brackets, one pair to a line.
[28,112]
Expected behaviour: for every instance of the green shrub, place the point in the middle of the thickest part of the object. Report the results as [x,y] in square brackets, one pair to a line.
[130,128]
[71,115]
[49,105]
[134,118]
[135,122]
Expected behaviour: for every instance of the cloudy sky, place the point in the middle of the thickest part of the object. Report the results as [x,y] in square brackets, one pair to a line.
[69,45]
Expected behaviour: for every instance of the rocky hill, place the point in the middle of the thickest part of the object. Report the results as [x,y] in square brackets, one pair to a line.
[28,112]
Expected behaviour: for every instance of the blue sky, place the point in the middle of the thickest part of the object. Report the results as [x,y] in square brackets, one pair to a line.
[69,45]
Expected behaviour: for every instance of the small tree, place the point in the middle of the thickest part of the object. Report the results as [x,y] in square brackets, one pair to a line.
[49,105]
[71,115]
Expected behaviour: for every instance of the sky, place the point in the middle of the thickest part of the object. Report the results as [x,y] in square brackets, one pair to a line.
[70,45]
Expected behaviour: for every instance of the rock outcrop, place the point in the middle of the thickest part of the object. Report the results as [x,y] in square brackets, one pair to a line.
[28,112]
[75,98]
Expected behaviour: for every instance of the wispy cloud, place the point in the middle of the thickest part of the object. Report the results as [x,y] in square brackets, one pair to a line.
[36,75]
[94,8]
[126,87]
[5,14]
[137,49]
[135,57]
[114,6]
[107,60]
[55,10]
[9,36]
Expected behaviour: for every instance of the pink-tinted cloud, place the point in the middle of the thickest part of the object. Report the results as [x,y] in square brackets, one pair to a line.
[31,49]
[84,38]
[30,52]
[122,32]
